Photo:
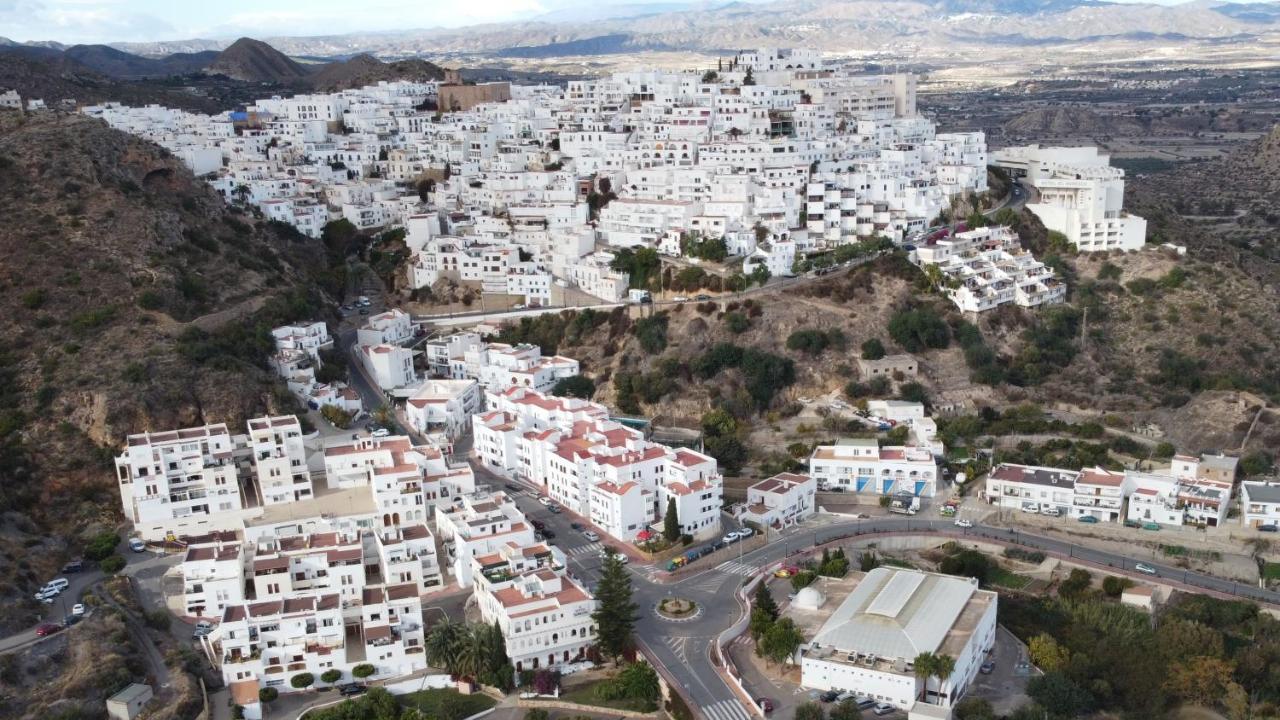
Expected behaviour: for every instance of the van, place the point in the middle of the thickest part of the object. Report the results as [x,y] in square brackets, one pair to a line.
[59,584]
[137,545]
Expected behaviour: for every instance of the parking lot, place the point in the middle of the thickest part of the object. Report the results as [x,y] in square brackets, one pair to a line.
[1006,687]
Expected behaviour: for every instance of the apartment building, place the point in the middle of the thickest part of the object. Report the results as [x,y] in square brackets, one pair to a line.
[1080,195]
[861,465]
[498,365]
[982,269]
[304,565]
[481,524]
[1260,504]
[407,482]
[390,366]
[181,482]
[545,616]
[212,574]
[308,337]
[392,327]
[279,459]
[1031,488]
[444,406]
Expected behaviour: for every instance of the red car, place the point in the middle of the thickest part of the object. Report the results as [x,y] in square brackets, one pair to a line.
[765,704]
[46,629]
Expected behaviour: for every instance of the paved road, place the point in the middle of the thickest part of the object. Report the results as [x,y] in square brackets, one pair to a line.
[688,646]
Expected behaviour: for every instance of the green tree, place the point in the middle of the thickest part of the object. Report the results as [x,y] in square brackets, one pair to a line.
[268,695]
[763,600]
[972,708]
[616,611]
[846,709]
[112,565]
[919,329]
[780,641]
[1059,695]
[1047,654]
[443,645]
[758,625]
[872,349]
[302,680]
[579,386]
[363,670]
[923,667]
[331,676]
[101,546]
[671,521]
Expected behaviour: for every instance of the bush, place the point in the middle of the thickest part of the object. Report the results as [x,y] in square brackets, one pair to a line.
[112,565]
[919,329]
[331,676]
[873,349]
[736,322]
[302,680]
[101,546]
[536,714]
[363,670]
[652,333]
[1114,586]
[268,694]
[810,342]
[578,386]
[157,619]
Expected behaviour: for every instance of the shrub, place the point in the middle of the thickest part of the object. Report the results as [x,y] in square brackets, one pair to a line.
[101,546]
[919,329]
[1114,586]
[302,680]
[112,565]
[810,342]
[578,386]
[363,670]
[331,676]
[736,322]
[872,349]
[536,714]
[157,619]
[268,694]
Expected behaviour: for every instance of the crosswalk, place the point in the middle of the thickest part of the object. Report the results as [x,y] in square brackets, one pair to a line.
[592,548]
[733,567]
[726,710]
[679,646]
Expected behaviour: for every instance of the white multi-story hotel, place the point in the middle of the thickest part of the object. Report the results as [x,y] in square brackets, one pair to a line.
[444,406]
[1080,195]
[482,524]
[861,465]
[407,481]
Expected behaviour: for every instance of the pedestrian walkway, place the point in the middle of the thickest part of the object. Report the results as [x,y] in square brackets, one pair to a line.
[594,547]
[733,567]
[726,710]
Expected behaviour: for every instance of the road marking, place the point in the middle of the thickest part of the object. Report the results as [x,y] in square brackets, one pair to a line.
[727,710]
[594,547]
[735,568]
[678,646]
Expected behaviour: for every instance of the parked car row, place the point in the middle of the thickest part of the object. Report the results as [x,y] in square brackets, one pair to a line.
[862,702]
[735,535]
[51,590]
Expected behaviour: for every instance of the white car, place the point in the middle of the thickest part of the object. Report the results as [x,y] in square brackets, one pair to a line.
[621,558]
[590,535]
[961,522]
[680,298]
[544,499]
[744,533]
[380,433]
[78,610]
[46,595]
[1145,569]
[137,545]
[204,627]
[730,539]
[883,709]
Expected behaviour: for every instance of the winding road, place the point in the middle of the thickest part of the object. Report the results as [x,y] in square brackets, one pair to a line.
[686,649]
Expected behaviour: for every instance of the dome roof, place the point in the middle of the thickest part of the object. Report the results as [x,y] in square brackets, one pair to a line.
[808,599]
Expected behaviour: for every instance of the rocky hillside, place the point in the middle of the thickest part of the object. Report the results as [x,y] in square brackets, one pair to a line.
[367,70]
[54,76]
[132,300]
[252,60]
[1059,120]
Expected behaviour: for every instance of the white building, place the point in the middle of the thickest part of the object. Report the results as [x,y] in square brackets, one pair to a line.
[981,269]
[181,482]
[390,366]
[1260,504]
[212,574]
[308,337]
[444,406]
[782,500]
[482,524]
[1080,195]
[867,645]
[861,465]
[392,327]
[279,459]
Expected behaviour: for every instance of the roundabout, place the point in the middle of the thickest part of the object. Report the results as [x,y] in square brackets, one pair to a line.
[676,609]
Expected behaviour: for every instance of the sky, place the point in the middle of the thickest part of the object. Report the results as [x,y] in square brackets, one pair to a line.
[101,21]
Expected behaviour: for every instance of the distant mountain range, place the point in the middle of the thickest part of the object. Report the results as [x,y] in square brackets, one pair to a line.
[716,28]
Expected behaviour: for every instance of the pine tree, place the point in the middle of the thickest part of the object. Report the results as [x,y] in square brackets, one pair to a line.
[671,521]
[615,615]
[763,600]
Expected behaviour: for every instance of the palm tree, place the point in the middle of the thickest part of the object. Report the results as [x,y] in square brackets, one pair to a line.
[443,644]
[384,415]
[473,652]
[241,192]
[943,666]
[924,666]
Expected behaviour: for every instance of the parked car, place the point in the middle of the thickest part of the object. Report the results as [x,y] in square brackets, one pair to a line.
[553,509]
[69,620]
[350,689]
[1050,511]
[1267,528]
[1150,526]
[782,573]
[74,566]
[680,298]
[829,696]
[702,298]
[1088,519]
[961,522]
[577,526]
[745,532]
[604,553]
[1145,569]
[730,539]
[883,709]
[863,702]
[137,545]
[78,610]
[766,705]
[591,535]
[987,667]
[544,499]
[204,627]
[364,311]
[58,584]
[46,595]
[512,488]
[548,534]
[46,629]
[380,432]
[1032,508]
[538,524]
[716,545]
